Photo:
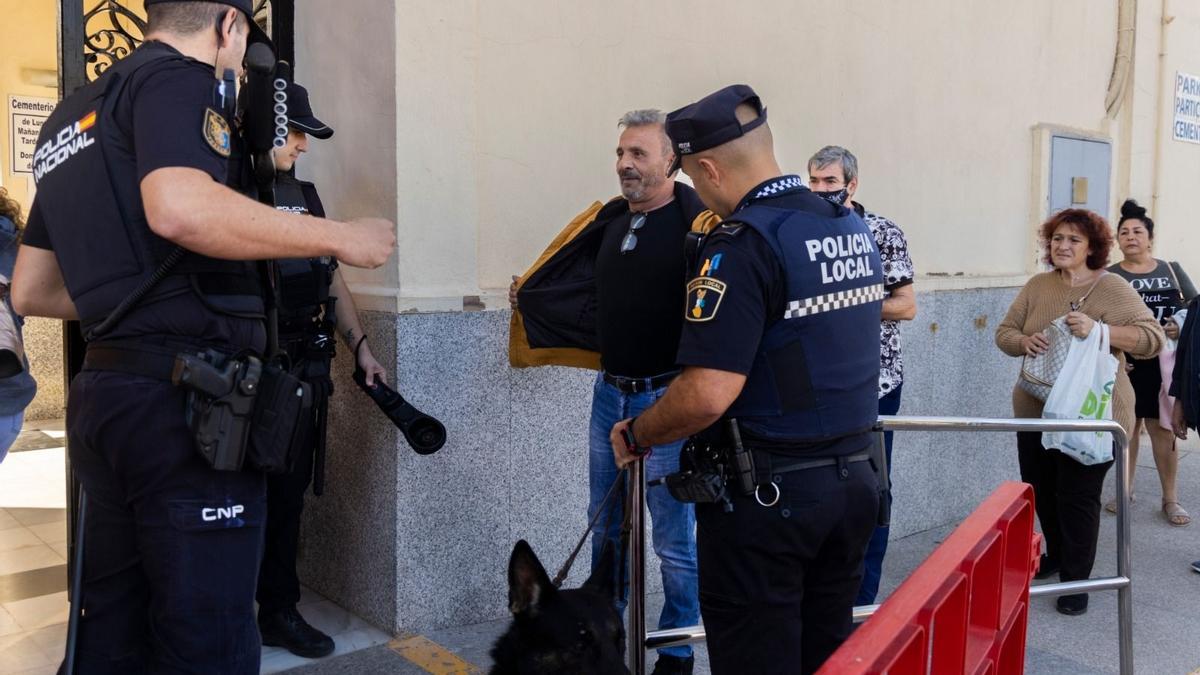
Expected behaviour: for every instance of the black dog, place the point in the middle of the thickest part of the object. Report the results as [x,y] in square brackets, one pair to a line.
[556,631]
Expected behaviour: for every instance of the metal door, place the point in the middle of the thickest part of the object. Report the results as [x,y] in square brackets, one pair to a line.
[1079,174]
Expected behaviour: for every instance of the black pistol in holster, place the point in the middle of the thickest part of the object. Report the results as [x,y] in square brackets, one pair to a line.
[221,392]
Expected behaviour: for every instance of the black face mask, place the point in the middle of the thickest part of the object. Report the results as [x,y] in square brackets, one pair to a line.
[838,197]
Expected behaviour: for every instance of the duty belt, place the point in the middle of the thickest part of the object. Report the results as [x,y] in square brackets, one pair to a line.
[804,465]
[150,360]
[638,385]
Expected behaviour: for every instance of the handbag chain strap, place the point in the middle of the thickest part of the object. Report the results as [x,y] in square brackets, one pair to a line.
[1075,306]
[1175,278]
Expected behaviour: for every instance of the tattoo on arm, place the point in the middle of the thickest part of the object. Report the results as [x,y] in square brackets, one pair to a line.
[350,337]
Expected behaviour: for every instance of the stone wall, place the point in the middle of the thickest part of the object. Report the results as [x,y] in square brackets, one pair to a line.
[416,543]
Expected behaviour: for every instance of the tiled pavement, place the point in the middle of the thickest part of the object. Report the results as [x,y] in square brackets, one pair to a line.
[33,583]
[33,567]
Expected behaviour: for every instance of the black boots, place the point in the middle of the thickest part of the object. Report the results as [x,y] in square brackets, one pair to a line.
[287,629]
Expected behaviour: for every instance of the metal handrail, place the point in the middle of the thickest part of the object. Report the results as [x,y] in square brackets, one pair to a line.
[1122,582]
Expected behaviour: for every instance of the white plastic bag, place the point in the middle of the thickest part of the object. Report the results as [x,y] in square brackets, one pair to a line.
[1084,391]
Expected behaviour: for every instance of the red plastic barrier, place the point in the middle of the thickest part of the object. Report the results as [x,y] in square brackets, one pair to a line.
[965,609]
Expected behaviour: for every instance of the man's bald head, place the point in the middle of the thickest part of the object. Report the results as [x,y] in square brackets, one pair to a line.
[743,152]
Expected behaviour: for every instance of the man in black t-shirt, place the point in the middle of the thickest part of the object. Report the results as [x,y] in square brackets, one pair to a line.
[633,251]
[129,168]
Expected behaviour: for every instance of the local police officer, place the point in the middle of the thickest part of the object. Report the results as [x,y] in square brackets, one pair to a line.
[781,363]
[314,303]
[132,172]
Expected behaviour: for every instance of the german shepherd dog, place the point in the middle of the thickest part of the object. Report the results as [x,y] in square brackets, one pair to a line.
[556,631]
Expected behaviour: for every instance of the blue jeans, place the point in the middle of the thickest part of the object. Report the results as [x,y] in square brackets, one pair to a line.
[873,567]
[10,428]
[674,532]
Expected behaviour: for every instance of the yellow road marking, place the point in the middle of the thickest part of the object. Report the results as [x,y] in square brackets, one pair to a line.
[431,657]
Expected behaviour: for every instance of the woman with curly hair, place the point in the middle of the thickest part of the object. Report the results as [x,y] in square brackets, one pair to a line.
[1077,244]
[17,391]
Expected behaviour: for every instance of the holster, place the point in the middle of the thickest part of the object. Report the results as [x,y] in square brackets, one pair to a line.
[883,476]
[221,394]
[240,410]
[282,416]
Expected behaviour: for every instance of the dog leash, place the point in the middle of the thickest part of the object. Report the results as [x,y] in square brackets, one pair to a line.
[566,568]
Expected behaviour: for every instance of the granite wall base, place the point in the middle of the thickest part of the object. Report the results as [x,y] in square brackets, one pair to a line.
[416,543]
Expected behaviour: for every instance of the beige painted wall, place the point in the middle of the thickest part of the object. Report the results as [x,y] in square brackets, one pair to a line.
[506,115]
[346,59]
[27,51]
[1175,210]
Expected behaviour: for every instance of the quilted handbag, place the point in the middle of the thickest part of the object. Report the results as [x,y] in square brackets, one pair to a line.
[1038,373]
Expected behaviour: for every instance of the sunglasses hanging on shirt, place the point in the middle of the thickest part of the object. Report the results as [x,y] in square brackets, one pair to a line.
[630,241]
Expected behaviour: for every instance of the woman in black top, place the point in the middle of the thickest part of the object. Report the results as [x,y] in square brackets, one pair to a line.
[1165,289]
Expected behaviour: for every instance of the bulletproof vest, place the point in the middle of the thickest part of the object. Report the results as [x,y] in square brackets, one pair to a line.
[816,372]
[303,283]
[94,215]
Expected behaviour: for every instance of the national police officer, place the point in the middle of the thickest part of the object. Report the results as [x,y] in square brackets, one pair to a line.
[314,304]
[781,363]
[129,168]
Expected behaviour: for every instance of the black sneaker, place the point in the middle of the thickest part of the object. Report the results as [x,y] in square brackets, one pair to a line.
[1047,568]
[673,665]
[1072,605]
[1196,566]
[287,629]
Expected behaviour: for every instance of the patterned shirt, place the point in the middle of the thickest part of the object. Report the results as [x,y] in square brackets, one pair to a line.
[897,272]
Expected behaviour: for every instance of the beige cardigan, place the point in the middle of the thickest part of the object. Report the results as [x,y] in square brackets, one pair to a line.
[1048,296]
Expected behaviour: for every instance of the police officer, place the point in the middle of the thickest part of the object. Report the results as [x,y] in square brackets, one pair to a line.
[314,303]
[132,173]
[781,363]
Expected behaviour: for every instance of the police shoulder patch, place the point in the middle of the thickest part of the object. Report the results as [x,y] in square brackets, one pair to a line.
[216,132]
[704,298]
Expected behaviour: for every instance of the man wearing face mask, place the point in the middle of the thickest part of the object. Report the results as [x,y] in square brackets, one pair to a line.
[833,174]
[608,294]
[172,538]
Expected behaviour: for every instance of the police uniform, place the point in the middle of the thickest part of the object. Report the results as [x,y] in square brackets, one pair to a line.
[171,544]
[307,334]
[788,291]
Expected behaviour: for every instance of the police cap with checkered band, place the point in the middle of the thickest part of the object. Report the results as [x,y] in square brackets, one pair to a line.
[712,121]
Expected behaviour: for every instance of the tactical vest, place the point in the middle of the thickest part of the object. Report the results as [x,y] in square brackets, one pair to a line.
[816,373]
[303,283]
[94,214]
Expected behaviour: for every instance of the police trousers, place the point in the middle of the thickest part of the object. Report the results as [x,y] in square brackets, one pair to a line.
[171,547]
[777,584]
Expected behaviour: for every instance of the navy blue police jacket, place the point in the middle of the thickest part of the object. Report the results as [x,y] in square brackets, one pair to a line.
[154,109]
[789,291]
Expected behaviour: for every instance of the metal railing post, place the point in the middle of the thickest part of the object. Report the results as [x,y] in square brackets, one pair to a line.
[1122,583]
[637,568]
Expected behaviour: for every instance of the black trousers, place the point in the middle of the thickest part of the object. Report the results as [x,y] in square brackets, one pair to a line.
[171,545]
[278,583]
[777,584]
[1067,498]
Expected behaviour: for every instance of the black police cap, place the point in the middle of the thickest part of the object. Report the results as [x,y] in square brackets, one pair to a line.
[257,34]
[712,121]
[300,113]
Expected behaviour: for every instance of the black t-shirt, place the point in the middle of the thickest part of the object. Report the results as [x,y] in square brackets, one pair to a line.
[723,333]
[161,122]
[1158,288]
[640,293]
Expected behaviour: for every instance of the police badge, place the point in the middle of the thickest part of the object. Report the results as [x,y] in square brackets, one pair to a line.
[216,132]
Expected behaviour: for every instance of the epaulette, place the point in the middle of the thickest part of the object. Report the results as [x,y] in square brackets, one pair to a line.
[730,229]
